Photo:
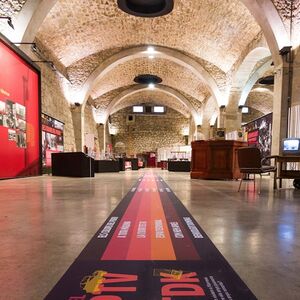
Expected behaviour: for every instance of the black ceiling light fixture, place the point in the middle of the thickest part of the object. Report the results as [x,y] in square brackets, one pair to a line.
[146,8]
[147,79]
[268,80]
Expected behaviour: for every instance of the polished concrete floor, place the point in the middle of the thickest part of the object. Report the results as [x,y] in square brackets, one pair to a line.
[46,221]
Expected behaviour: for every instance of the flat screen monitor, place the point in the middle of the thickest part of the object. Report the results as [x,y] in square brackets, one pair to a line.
[291,146]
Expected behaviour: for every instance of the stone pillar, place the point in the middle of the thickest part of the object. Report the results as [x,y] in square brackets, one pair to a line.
[78,124]
[192,130]
[101,136]
[232,116]
[202,132]
[281,103]
[221,117]
[296,78]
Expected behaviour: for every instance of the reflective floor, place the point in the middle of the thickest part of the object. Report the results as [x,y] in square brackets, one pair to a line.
[46,221]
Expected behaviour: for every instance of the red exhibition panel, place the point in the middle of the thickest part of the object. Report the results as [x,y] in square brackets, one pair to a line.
[19,116]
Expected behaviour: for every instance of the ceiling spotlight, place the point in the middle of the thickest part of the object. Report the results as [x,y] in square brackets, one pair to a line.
[151,50]
[9,22]
[151,86]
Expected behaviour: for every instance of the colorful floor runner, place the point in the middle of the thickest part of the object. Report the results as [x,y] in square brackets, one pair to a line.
[150,248]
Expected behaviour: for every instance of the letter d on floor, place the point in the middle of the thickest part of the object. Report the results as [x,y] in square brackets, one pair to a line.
[182,289]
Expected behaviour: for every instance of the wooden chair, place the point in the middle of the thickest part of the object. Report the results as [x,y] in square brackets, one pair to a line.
[251,162]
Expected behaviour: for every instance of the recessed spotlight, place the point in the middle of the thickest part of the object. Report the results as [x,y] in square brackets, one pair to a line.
[151,86]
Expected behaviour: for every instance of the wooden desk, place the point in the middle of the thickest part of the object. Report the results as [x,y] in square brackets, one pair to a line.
[215,159]
[282,172]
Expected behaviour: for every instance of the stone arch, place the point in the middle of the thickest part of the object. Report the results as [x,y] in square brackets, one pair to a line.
[160,52]
[252,80]
[271,24]
[138,88]
[247,66]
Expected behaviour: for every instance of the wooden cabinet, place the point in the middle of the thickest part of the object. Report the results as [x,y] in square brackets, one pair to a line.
[215,159]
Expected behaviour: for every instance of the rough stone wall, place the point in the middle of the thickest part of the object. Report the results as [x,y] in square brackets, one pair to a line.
[254,114]
[260,101]
[55,105]
[147,133]
[90,125]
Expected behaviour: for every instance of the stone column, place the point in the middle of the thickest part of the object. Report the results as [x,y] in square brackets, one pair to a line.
[78,125]
[192,130]
[281,103]
[232,116]
[101,136]
[221,117]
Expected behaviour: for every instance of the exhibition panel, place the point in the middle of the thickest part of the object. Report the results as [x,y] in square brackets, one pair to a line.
[19,114]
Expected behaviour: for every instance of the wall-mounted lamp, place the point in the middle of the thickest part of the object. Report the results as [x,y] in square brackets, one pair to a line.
[285,50]
[222,108]
[9,22]
[49,62]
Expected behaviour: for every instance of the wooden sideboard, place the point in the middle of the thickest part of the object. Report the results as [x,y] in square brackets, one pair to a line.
[215,159]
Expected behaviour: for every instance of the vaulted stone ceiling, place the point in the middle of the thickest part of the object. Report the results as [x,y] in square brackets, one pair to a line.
[215,30]
[78,36]
[154,98]
[172,74]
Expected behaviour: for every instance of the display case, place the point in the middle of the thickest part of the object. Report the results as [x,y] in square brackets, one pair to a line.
[72,164]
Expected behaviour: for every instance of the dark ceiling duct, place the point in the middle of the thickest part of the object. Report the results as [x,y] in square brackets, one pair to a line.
[268,80]
[146,8]
[147,79]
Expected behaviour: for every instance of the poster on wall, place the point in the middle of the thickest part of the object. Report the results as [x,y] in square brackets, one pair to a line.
[259,133]
[52,138]
[19,115]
